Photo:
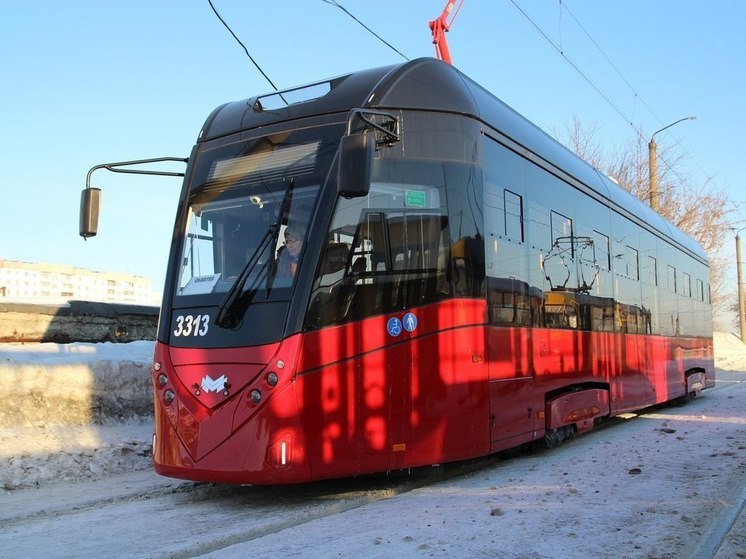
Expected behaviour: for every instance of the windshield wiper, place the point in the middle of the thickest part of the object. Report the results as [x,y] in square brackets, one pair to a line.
[284,208]
[226,316]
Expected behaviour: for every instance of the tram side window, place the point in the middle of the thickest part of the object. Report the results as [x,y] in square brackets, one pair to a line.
[633,319]
[513,216]
[687,285]
[632,263]
[562,236]
[555,264]
[671,276]
[700,290]
[601,250]
[539,230]
[652,271]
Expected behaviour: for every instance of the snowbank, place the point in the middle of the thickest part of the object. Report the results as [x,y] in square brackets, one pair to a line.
[73,411]
[730,352]
[43,384]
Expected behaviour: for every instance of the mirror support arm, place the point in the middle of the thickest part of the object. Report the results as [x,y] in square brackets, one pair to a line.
[90,198]
[116,168]
[391,134]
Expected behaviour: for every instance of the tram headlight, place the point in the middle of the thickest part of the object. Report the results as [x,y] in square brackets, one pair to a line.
[168,396]
[272,379]
[162,379]
[255,396]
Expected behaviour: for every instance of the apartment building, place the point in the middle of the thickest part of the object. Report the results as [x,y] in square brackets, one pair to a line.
[54,283]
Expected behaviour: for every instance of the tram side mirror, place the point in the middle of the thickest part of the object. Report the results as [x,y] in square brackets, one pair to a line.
[355,161]
[90,202]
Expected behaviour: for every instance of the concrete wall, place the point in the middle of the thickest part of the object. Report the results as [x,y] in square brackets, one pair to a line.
[77,321]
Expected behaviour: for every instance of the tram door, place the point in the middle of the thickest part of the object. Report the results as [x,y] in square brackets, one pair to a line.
[510,374]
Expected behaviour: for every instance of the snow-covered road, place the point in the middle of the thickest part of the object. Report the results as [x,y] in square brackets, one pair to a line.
[666,484]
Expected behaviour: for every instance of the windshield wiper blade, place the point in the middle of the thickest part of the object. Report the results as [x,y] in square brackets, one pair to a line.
[284,208]
[226,316]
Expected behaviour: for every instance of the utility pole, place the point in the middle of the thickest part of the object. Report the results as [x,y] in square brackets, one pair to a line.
[741,316]
[653,172]
[653,165]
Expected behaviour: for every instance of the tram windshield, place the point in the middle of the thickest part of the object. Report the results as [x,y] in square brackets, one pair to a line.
[248,214]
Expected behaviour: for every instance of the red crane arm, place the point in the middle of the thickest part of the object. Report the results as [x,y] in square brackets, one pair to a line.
[440,27]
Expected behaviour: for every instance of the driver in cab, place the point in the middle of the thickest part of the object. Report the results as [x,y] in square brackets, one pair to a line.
[289,253]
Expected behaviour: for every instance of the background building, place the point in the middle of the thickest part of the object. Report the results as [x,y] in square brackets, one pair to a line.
[55,283]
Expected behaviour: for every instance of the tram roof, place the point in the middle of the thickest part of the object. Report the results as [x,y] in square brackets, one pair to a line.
[432,85]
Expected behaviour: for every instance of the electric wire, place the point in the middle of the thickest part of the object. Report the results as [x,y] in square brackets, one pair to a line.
[376,35]
[571,63]
[592,84]
[606,57]
[266,77]
[624,79]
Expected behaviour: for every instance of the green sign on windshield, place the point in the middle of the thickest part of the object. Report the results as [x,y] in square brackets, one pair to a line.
[414,198]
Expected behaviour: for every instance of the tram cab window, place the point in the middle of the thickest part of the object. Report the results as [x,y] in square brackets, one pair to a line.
[387,251]
[417,236]
[222,236]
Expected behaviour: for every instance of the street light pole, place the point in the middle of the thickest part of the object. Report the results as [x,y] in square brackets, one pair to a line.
[653,164]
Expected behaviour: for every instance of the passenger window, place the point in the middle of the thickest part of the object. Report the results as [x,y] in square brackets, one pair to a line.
[601,250]
[652,271]
[632,261]
[562,235]
[672,279]
[687,287]
[513,216]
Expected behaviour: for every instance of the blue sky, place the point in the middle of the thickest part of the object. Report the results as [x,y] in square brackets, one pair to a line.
[87,82]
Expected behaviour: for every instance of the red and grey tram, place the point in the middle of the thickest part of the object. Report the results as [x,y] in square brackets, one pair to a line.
[393,269]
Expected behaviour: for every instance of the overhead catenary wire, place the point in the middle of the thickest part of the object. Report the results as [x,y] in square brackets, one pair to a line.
[595,87]
[563,5]
[561,52]
[266,77]
[376,35]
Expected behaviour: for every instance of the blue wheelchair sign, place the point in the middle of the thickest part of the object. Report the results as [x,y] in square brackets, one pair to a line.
[394,326]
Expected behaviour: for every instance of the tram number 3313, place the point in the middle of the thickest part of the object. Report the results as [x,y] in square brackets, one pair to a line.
[192,325]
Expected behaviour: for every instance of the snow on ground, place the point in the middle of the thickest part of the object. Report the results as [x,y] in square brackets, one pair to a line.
[645,488]
[651,488]
[730,352]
